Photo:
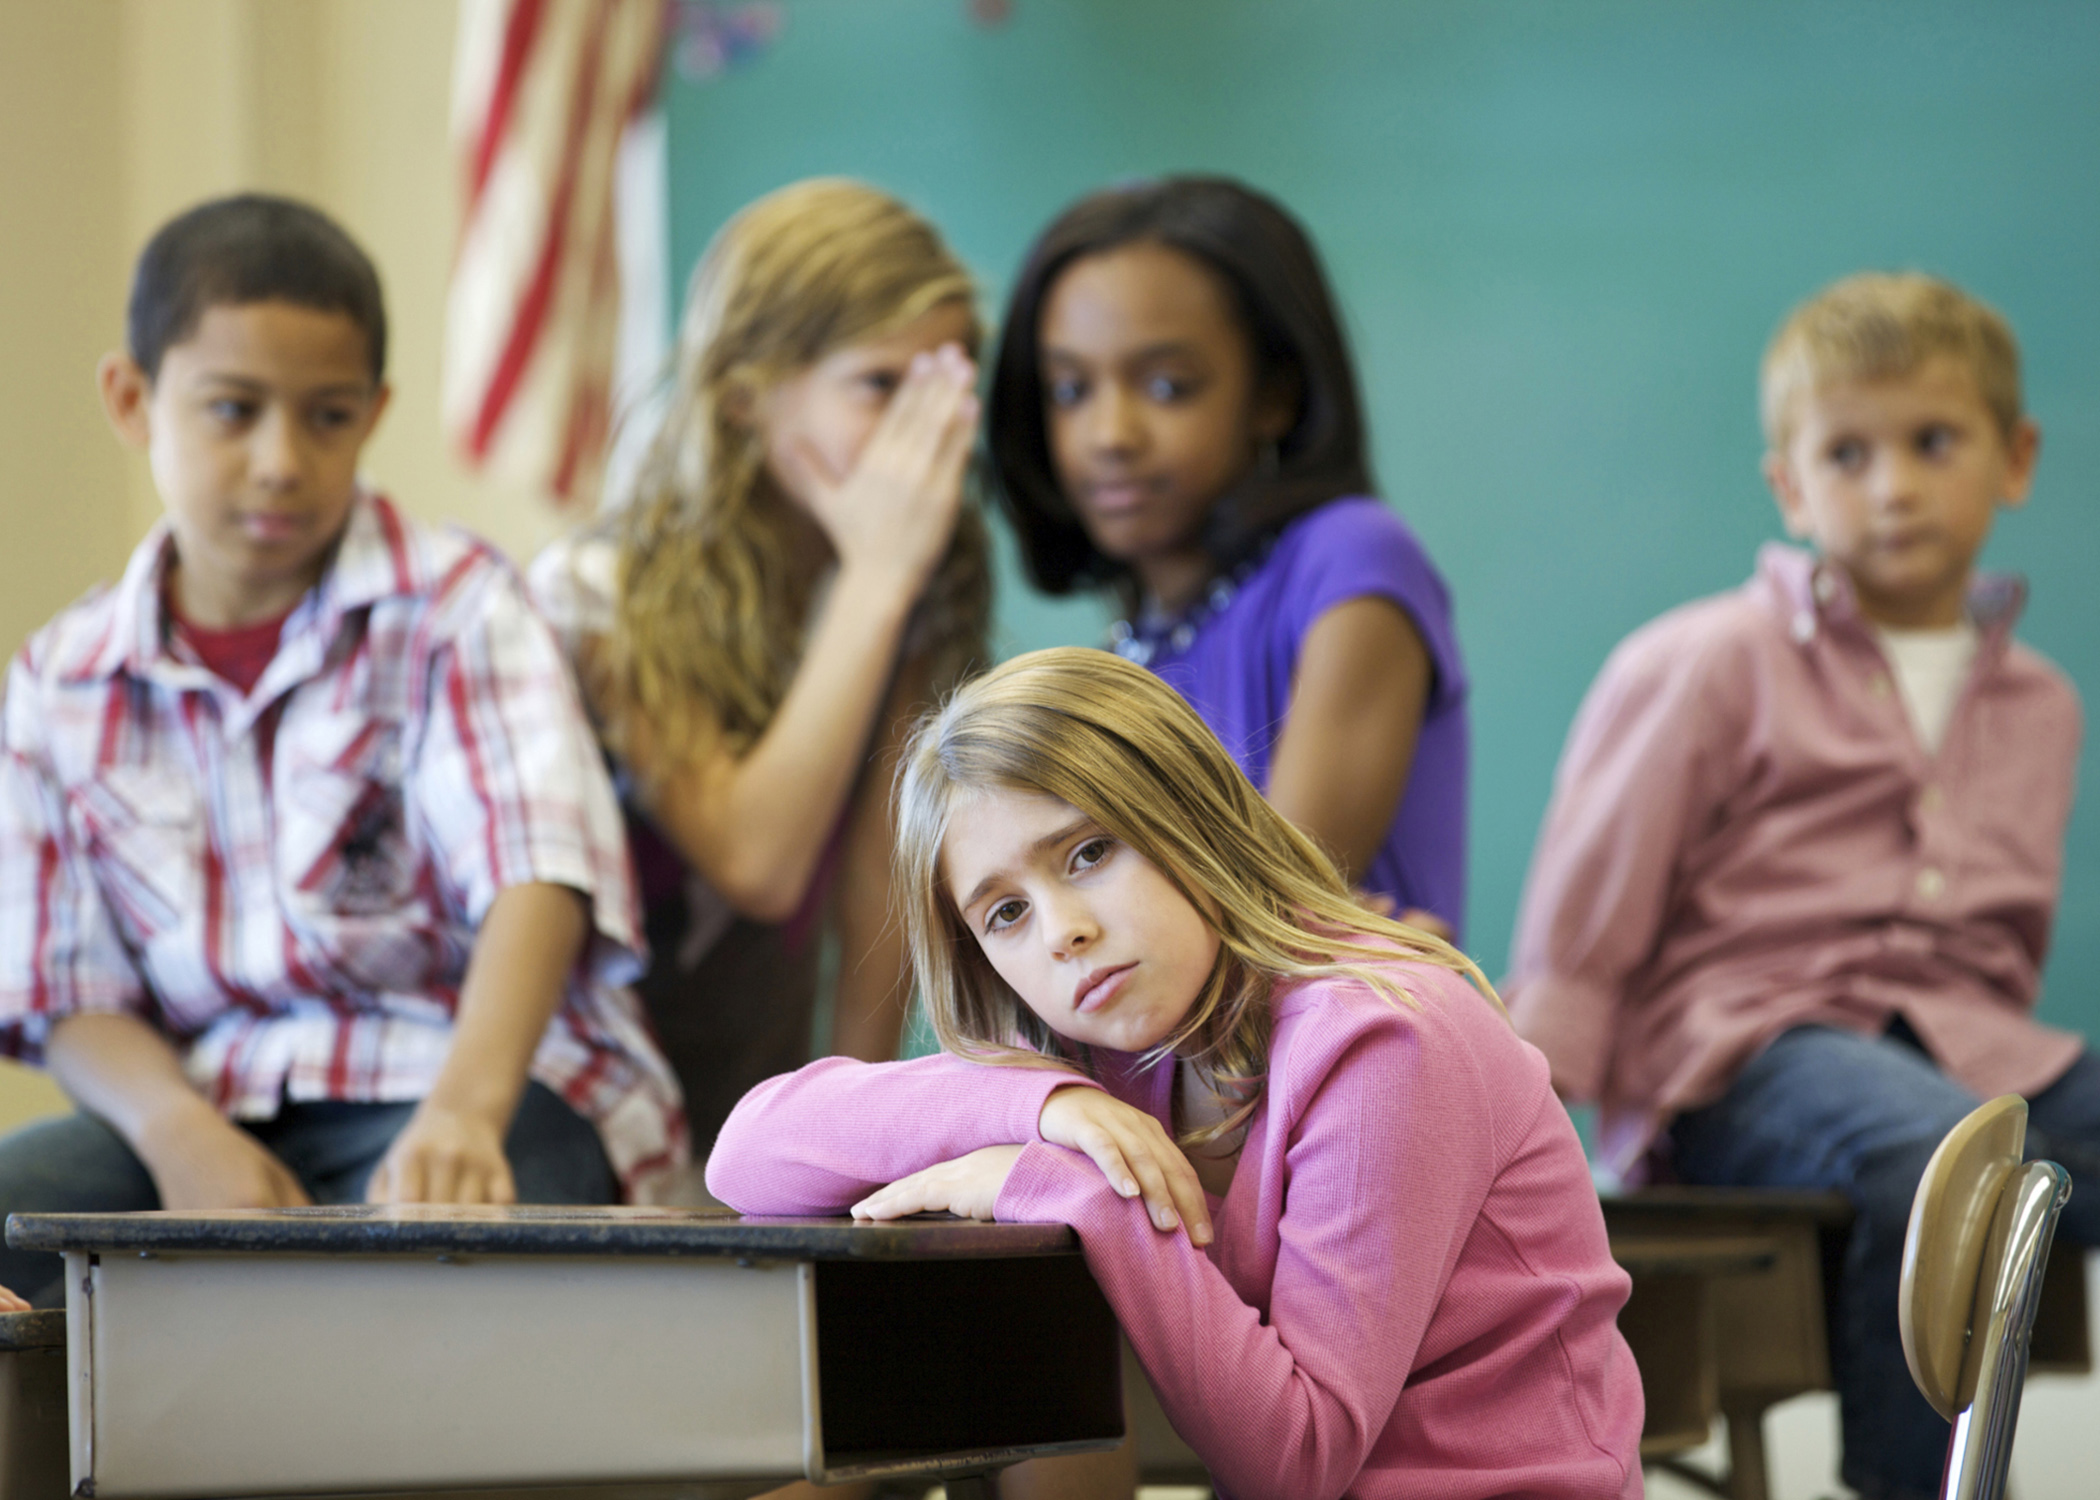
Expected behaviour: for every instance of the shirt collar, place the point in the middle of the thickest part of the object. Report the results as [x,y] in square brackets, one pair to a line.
[372,561]
[1811,594]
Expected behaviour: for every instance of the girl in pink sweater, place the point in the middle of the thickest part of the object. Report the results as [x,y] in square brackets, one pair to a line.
[1331,1196]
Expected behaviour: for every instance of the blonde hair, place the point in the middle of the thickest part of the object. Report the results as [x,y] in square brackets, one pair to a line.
[1120,746]
[715,581]
[1883,325]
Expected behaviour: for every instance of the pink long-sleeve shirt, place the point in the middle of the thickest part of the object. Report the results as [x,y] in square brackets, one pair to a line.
[1409,1292]
[1746,835]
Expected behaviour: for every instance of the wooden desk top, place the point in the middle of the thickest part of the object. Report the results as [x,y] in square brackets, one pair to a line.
[33,1330]
[532,1229]
[1670,1255]
[1689,1204]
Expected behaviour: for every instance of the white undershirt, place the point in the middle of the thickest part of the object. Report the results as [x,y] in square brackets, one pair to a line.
[1930,667]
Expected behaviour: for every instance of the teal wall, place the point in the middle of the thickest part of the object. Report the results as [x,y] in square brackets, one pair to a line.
[1561,231]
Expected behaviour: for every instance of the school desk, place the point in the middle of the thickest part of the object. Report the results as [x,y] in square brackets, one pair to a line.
[1730,1314]
[32,1406]
[638,1353]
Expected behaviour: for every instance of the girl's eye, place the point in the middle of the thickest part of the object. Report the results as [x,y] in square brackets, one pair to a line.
[881,383]
[1065,391]
[334,418]
[1005,914]
[1937,440]
[1168,388]
[1091,853]
[232,411]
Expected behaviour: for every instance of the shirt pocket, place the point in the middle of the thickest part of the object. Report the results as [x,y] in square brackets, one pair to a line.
[343,825]
[144,831]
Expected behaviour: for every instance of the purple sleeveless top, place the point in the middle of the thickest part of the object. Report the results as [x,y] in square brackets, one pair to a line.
[1236,664]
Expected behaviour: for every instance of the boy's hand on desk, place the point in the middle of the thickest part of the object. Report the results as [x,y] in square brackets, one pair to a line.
[444,1155]
[1133,1151]
[966,1187]
[202,1160]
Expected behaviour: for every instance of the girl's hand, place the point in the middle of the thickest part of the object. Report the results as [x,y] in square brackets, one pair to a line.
[1135,1154]
[9,1302]
[1427,921]
[893,515]
[966,1187]
[443,1156]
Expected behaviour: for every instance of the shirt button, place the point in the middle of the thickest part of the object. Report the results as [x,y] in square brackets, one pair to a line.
[1930,800]
[1878,684]
[1931,883]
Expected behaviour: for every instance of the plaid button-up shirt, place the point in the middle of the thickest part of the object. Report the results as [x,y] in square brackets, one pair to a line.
[287,884]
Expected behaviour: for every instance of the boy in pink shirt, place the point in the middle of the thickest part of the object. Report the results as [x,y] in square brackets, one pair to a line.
[1786,919]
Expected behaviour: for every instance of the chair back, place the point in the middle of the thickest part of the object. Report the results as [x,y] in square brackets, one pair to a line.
[1980,1229]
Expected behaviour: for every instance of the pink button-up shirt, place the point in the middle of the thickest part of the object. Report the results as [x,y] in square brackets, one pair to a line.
[287,882]
[1746,836]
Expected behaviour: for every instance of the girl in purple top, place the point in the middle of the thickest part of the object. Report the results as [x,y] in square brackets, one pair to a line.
[1174,415]
[1339,1213]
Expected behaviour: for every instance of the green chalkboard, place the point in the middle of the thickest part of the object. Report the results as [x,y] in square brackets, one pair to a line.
[1561,230]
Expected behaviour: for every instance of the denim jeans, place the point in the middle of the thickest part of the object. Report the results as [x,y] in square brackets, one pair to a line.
[77,1164]
[1821,1108]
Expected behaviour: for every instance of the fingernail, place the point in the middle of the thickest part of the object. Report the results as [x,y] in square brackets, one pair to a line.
[1164,1218]
[1127,1188]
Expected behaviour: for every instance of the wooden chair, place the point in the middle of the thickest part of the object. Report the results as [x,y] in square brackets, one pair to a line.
[1973,1260]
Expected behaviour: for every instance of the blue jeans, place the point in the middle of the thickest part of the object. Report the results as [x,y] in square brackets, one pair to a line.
[77,1164]
[1827,1109]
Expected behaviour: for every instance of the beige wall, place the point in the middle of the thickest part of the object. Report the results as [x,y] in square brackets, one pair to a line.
[114,114]
[64,520]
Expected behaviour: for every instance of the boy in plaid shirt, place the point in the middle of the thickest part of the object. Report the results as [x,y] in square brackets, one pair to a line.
[312,885]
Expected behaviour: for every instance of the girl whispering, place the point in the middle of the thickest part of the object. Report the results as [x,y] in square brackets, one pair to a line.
[797,576]
[1345,1224]
[1174,415]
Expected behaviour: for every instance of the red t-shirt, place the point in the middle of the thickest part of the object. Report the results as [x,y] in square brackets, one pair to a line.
[239,655]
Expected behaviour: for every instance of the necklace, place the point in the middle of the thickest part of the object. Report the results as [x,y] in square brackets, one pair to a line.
[1156,632]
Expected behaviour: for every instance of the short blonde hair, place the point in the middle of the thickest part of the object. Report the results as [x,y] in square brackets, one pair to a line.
[1123,748]
[1883,325]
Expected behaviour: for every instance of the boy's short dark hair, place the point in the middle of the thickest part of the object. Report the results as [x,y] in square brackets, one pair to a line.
[249,248]
[1273,274]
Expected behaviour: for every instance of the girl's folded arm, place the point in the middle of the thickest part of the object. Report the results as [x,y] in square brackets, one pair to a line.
[818,1140]
[1291,1403]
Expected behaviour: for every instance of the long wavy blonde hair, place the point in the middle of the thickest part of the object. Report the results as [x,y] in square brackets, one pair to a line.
[715,577]
[1123,748]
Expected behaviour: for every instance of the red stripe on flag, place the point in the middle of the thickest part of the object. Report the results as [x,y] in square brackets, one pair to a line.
[520,30]
[651,73]
[539,291]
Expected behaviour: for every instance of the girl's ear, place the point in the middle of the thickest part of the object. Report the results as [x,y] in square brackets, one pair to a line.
[1276,405]
[740,400]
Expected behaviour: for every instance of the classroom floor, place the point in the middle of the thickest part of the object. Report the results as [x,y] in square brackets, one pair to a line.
[2055,1453]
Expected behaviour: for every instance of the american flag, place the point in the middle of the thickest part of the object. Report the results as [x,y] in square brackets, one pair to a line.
[544,94]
